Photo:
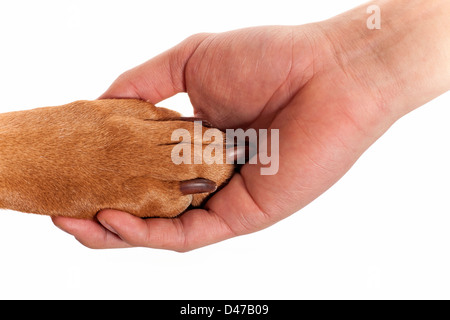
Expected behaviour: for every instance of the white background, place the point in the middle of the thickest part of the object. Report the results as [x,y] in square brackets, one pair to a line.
[381,232]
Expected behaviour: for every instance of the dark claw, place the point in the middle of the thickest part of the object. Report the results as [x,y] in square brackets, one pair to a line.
[237,154]
[240,153]
[192,119]
[197,186]
[189,119]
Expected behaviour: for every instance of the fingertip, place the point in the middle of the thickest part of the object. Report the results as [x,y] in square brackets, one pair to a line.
[60,223]
[67,224]
[158,78]
[123,224]
[121,88]
[89,233]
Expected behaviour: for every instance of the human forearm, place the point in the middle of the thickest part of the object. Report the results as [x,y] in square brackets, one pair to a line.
[407,59]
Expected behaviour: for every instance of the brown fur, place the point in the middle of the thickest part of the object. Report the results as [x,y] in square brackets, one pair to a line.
[76,159]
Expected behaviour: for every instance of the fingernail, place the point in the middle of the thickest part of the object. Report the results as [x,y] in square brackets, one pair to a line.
[197,186]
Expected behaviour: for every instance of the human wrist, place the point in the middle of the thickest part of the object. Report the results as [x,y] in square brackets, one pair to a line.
[407,60]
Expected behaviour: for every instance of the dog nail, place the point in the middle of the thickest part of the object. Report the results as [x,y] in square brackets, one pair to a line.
[204,122]
[197,186]
[238,154]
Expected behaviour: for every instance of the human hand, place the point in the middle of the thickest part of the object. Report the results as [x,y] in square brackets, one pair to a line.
[331,88]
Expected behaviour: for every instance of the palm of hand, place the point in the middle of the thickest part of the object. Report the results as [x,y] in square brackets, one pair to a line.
[269,78]
[276,78]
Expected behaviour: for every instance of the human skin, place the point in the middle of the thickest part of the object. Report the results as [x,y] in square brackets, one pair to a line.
[332,88]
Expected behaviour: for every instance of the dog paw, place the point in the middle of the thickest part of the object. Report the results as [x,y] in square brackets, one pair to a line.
[123,154]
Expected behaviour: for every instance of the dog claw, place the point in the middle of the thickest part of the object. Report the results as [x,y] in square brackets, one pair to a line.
[240,153]
[205,123]
[237,154]
[197,186]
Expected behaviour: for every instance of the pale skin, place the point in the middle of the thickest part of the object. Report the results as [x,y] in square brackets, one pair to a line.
[332,89]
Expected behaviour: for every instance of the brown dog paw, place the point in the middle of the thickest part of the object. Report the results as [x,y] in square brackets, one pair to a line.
[125,154]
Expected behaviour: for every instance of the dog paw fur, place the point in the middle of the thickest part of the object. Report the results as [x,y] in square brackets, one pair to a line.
[77,159]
